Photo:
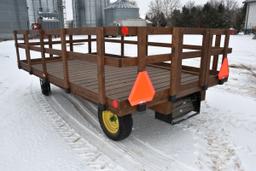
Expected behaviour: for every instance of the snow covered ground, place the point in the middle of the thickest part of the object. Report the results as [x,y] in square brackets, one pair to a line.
[61,132]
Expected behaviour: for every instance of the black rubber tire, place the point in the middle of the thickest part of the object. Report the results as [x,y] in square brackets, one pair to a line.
[125,127]
[45,87]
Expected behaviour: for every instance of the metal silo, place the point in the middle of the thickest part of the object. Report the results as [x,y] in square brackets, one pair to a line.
[89,13]
[13,16]
[121,10]
[48,12]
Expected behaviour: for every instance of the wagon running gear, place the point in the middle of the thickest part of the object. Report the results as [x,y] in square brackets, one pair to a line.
[115,127]
[45,87]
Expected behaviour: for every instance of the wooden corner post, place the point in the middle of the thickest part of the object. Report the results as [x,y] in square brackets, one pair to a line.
[205,62]
[205,59]
[100,65]
[65,59]
[176,63]
[226,44]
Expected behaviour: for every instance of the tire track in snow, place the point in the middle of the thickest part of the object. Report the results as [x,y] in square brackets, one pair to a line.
[136,148]
[94,138]
[88,153]
[221,153]
[245,67]
[122,150]
[242,80]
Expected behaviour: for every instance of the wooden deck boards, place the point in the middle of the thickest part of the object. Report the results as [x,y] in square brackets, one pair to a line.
[119,81]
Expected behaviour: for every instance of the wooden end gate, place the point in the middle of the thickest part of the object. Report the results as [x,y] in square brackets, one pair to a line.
[107,79]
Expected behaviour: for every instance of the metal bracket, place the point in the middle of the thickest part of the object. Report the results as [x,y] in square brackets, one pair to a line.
[68,90]
[221,82]
[101,107]
[204,87]
[19,66]
[30,71]
[186,117]
[173,98]
[141,107]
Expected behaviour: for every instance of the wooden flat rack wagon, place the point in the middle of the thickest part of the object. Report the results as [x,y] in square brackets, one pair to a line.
[112,80]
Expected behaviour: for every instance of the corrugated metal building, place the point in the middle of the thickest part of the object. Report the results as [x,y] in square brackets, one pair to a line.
[49,13]
[89,13]
[13,16]
[121,10]
[250,19]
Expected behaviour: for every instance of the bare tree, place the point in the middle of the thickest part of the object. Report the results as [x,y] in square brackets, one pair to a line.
[163,6]
[133,2]
[231,5]
[169,6]
[155,7]
[190,4]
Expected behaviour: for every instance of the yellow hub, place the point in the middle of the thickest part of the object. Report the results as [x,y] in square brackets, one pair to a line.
[110,121]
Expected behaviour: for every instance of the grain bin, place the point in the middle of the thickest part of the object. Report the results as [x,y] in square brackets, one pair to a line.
[121,10]
[89,13]
[13,16]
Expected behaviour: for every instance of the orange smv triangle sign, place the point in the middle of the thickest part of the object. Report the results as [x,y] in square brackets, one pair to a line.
[143,90]
[224,70]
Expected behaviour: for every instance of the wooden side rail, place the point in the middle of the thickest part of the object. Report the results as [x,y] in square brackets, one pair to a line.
[125,61]
[58,42]
[167,45]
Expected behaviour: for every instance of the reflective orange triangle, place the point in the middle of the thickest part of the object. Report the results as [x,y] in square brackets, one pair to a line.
[224,70]
[143,90]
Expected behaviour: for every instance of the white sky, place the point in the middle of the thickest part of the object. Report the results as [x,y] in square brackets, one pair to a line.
[143,5]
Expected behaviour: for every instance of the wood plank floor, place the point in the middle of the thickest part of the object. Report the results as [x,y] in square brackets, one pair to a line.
[119,81]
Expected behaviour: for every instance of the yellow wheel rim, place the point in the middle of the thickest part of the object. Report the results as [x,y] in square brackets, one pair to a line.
[110,121]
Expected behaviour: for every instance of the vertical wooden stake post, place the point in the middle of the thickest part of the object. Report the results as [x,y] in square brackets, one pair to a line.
[17,48]
[122,46]
[142,48]
[100,65]
[28,57]
[216,57]
[176,63]
[43,53]
[226,44]
[203,64]
[71,43]
[65,60]
[89,44]
[50,44]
